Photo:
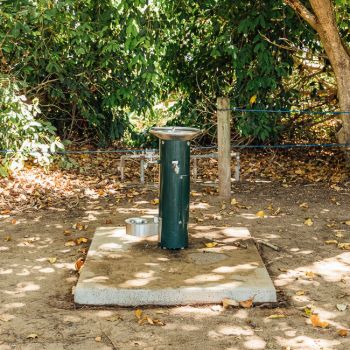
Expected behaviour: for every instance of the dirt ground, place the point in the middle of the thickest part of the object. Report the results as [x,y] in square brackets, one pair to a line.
[307,220]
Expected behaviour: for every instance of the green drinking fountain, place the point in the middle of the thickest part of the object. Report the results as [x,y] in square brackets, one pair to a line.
[174,188]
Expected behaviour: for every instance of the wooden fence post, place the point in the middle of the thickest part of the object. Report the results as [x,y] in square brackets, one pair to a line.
[224,147]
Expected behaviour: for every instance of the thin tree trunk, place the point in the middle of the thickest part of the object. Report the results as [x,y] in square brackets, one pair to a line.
[338,55]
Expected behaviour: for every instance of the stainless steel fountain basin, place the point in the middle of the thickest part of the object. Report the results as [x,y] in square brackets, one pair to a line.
[175,133]
[142,227]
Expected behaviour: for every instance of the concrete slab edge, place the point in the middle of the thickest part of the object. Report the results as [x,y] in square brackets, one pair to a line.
[178,296]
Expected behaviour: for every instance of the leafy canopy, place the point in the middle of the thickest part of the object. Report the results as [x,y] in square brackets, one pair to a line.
[91,65]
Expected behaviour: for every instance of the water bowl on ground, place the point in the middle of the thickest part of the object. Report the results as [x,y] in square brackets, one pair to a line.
[142,227]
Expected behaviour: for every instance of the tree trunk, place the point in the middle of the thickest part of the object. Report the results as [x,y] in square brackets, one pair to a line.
[323,21]
[338,55]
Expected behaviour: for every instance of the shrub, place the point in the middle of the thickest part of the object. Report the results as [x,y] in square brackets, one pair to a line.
[23,136]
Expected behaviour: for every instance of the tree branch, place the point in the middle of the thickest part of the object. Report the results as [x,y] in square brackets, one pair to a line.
[301,10]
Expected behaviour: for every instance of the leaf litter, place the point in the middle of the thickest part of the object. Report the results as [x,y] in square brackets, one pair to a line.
[95,176]
[308,222]
[246,304]
[211,244]
[145,319]
[52,260]
[316,321]
[79,264]
[343,332]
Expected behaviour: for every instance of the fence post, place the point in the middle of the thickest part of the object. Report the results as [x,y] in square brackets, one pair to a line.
[224,147]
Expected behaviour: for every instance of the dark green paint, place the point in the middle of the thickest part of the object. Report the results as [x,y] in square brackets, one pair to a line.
[174,194]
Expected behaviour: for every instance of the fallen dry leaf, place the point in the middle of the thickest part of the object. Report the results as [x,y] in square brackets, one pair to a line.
[260,214]
[67,232]
[211,244]
[345,246]
[83,250]
[142,320]
[310,275]
[234,201]
[341,307]
[151,321]
[342,332]
[7,238]
[154,321]
[81,240]
[80,227]
[32,336]
[98,339]
[274,316]
[52,260]
[247,304]
[331,241]
[277,211]
[335,187]
[138,313]
[147,319]
[155,201]
[316,322]
[226,303]
[308,222]
[300,292]
[13,221]
[70,244]
[158,322]
[79,264]
[347,222]
[304,205]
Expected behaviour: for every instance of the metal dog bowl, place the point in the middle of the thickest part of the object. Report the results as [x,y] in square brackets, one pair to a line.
[142,227]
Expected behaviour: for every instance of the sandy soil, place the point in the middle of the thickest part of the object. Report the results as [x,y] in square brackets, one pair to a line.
[37,275]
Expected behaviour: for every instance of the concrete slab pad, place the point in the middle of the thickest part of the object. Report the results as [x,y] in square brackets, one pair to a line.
[125,270]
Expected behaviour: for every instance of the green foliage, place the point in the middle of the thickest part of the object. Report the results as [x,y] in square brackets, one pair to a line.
[220,48]
[93,65]
[22,133]
[342,10]
[89,63]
